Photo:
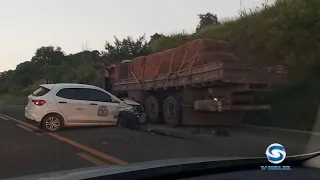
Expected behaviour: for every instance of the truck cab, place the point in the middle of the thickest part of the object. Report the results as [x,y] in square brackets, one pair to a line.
[116,72]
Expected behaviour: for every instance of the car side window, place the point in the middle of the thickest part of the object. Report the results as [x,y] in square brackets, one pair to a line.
[73,93]
[97,95]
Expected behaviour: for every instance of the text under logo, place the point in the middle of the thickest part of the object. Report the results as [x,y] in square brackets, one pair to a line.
[276,154]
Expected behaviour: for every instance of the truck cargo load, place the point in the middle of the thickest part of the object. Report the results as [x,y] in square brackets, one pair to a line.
[192,54]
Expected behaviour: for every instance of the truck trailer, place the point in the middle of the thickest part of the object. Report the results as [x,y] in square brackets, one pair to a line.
[199,83]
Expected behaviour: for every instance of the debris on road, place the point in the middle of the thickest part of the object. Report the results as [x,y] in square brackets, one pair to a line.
[195,131]
[222,133]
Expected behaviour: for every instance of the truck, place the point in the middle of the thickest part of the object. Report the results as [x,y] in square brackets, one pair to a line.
[201,82]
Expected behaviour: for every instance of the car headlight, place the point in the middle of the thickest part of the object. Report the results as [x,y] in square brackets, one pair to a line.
[135,109]
[131,109]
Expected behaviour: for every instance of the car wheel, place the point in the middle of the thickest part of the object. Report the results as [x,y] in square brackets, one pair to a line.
[127,120]
[121,120]
[132,122]
[51,123]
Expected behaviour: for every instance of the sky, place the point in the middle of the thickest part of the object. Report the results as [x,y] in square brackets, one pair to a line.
[73,24]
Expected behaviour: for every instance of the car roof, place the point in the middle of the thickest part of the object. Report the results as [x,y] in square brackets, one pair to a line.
[61,85]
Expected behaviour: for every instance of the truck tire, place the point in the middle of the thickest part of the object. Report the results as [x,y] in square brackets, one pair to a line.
[152,109]
[172,111]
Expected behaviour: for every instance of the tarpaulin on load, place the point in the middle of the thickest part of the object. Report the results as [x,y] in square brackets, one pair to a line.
[151,64]
[192,54]
[137,65]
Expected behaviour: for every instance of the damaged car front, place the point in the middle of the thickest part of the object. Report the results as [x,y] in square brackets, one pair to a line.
[131,115]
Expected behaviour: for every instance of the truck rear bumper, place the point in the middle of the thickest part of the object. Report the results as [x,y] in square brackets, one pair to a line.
[192,117]
[251,107]
[207,105]
[217,106]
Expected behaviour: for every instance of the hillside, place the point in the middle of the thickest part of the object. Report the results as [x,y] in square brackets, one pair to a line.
[286,32]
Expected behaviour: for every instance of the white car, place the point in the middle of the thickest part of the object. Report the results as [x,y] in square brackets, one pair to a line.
[57,105]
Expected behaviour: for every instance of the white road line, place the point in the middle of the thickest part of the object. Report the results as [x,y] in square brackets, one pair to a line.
[281,129]
[4,118]
[29,129]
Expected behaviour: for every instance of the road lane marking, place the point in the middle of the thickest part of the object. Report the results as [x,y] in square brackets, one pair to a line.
[89,150]
[102,155]
[21,122]
[29,129]
[4,118]
[92,159]
[282,129]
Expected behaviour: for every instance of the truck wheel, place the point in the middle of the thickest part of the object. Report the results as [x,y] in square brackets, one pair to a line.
[172,111]
[152,109]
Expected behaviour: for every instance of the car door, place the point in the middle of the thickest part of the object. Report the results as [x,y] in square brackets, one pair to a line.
[102,108]
[72,104]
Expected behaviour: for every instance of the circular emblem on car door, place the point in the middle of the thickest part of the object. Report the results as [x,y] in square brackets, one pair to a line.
[103,111]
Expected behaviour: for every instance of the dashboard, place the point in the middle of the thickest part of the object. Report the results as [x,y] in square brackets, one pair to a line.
[294,174]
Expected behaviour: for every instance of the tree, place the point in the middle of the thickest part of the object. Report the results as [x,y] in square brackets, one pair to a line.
[50,64]
[125,49]
[48,55]
[155,37]
[5,81]
[25,73]
[207,19]
[49,60]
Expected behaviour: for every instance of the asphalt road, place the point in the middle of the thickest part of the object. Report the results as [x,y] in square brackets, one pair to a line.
[26,150]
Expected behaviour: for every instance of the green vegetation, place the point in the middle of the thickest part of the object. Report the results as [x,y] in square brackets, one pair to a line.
[51,65]
[286,32]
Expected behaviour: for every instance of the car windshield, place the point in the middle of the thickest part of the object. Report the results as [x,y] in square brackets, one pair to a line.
[190,79]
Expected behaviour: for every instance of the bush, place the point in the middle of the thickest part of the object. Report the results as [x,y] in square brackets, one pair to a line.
[13,100]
